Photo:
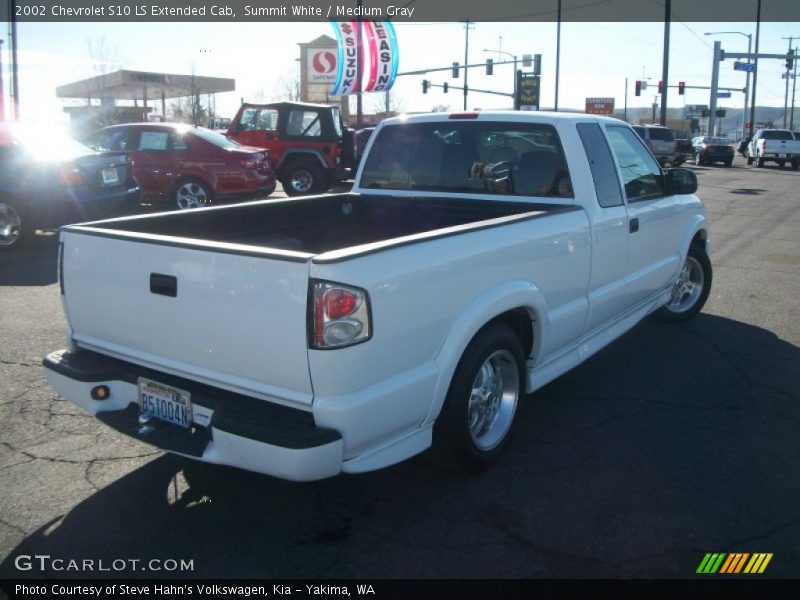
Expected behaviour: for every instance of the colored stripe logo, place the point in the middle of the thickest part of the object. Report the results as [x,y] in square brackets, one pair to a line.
[734,563]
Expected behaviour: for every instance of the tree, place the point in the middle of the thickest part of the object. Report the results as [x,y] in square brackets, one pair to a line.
[387,103]
[288,86]
[105,58]
[190,108]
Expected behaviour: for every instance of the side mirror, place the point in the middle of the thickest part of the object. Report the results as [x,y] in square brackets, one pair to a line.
[681,181]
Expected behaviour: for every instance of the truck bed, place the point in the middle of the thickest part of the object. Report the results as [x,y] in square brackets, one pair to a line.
[323,224]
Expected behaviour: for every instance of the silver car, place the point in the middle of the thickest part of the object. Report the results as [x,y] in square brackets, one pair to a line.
[661,142]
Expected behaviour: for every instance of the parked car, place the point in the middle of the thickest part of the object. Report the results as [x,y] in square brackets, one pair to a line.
[661,142]
[48,179]
[708,150]
[188,166]
[776,145]
[309,144]
[348,332]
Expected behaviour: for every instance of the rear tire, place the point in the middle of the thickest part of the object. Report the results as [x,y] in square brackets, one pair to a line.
[691,288]
[303,177]
[191,193]
[795,165]
[759,162]
[698,159]
[478,413]
[749,160]
[781,164]
[728,163]
[15,227]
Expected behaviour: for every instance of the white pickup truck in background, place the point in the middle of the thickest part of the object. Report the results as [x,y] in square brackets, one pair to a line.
[478,257]
[776,145]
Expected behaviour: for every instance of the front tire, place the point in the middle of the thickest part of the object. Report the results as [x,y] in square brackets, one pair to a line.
[690,290]
[698,159]
[478,413]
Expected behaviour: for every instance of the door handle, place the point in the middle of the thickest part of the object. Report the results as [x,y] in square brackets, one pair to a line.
[164,285]
[633,225]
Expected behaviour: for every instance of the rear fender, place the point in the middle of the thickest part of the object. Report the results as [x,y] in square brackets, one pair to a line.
[483,309]
[311,154]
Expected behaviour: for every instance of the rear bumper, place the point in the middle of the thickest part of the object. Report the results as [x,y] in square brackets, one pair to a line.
[227,428]
[73,206]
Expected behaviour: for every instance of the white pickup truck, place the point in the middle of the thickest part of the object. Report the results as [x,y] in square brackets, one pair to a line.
[776,145]
[478,257]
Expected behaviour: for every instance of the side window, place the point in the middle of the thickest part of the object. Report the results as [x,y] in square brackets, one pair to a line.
[303,123]
[601,163]
[153,140]
[177,142]
[249,119]
[267,119]
[641,173]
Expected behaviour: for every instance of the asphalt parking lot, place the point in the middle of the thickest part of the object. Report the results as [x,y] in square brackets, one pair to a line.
[673,442]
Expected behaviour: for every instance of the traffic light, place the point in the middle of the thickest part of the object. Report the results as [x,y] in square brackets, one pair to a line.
[789,60]
[537,64]
[455,70]
[660,87]
[681,87]
[638,88]
[445,87]
[425,85]
[489,66]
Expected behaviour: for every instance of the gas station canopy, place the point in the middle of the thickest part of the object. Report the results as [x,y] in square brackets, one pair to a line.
[144,86]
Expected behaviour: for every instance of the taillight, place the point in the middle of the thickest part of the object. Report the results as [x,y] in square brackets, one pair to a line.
[249,163]
[70,175]
[341,315]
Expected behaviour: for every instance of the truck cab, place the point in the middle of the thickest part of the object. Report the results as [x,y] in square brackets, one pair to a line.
[308,143]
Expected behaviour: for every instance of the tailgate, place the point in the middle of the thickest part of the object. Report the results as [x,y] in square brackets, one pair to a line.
[236,320]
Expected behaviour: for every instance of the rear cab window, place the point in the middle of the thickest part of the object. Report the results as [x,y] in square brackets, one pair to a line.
[482,157]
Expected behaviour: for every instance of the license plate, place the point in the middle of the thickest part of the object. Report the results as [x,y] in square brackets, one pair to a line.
[110,175]
[165,402]
[781,156]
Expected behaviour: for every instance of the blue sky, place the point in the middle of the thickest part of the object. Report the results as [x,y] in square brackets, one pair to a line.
[595,58]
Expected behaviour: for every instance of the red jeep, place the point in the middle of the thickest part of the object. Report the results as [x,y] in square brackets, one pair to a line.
[309,146]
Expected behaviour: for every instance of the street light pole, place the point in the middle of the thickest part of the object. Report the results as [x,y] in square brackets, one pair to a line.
[513,56]
[788,74]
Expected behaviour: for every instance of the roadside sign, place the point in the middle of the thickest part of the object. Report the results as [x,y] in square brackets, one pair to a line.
[600,106]
[527,91]
[742,66]
[694,111]
[723,94]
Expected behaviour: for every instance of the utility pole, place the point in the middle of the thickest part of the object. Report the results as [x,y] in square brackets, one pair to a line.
[755,74]
[787,76]
[665,68]
[794,84]
[466,62]
[558,54]
[12,27]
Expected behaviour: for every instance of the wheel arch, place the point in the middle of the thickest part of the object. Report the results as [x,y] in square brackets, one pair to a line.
[294,154]
[518,304]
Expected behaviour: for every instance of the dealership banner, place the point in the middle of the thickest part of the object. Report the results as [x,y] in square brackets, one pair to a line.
[379,57]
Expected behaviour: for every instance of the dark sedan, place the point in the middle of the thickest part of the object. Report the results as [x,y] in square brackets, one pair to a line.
[708,150]
[48,180]
[189,166]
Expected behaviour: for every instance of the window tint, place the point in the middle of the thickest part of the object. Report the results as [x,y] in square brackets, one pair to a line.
[641,174]
[664,135]
[177,141]
[458,156]
[640,132]
[303,123]
[604,173]
[216,138]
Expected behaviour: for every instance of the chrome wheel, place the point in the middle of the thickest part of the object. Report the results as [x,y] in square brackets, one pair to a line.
[302,181]
[688,288]
[493,400]
[192,194]
[10,225]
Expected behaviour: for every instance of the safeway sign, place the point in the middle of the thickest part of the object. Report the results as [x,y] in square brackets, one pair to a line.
[321,65]
[600,106]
